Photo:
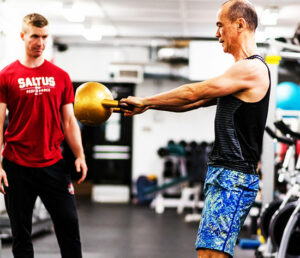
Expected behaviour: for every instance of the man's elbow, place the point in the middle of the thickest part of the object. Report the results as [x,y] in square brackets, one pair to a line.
[190,94]
[67,124]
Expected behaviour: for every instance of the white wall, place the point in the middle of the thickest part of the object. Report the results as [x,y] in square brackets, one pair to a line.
[11,44]
[207,60]
[154,129]
[85,63]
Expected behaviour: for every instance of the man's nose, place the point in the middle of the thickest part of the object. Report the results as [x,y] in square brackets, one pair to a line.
[40,41]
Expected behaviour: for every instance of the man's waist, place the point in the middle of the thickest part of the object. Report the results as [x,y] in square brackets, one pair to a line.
[32,158]
[247,167]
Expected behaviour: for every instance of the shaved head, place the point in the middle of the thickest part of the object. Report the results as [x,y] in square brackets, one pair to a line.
[242,9]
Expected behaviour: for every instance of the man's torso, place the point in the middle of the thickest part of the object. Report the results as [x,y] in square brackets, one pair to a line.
[34,97]
[239,128]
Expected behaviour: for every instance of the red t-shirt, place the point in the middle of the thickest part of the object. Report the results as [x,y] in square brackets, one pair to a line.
[34,97]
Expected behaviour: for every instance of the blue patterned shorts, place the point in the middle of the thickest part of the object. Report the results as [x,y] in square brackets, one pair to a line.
[229,196]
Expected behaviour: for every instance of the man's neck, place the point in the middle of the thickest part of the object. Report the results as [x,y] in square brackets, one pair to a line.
[246,48]
[32,62]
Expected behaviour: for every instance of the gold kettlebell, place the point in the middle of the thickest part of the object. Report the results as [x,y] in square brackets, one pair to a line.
[94,103]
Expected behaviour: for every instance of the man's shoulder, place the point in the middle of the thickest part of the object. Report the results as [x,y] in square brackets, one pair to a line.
[251,68]
[254,76]
[9,68]
[248,63]
[254,63]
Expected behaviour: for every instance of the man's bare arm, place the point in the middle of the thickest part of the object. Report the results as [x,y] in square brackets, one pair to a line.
[73,138]
[247,79]
[188,107]
[242,76]
[3,177]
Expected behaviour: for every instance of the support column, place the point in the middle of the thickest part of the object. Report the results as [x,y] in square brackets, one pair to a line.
[268,152]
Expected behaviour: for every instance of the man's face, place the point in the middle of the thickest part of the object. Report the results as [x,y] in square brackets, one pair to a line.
[35,40]
[226,32]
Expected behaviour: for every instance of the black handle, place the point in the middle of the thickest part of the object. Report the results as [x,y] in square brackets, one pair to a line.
[125,106]
[283,128]
[279,138]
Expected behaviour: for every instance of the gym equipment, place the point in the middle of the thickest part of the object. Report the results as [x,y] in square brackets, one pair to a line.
[246,243]
[94,104]
[291,233]
[196,159]
[162,152]
[282,231]
[277,51]
[278,225]
[160,202]
[267,215]
[142,184]
[175,149]
[174,182]
[253,215]
[287,96]
[285,224]
[159,188]
[286,130]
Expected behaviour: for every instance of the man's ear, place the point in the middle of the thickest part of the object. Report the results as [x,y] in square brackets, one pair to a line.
[22,35]
[241,24]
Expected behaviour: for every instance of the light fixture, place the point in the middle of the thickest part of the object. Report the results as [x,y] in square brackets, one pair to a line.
[270,16]
[108,30]
[72,12]
[93,33]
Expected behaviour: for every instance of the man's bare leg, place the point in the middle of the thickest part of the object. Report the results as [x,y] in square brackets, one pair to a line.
[206,253]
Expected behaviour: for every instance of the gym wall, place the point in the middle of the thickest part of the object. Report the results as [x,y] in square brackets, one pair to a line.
[91,63]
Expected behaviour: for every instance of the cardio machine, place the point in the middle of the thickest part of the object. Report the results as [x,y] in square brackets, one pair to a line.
[280,221]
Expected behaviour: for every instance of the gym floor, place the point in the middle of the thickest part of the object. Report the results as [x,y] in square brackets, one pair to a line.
[126,231]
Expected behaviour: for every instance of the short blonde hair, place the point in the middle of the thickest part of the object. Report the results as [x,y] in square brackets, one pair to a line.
[34,19]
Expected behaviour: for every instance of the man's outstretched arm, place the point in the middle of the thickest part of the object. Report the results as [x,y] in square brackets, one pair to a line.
[242,76]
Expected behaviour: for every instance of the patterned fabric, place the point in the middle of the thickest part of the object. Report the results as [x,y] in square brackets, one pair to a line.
[229,196]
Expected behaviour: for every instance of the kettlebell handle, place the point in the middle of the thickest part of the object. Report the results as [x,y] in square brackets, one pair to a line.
[116,105]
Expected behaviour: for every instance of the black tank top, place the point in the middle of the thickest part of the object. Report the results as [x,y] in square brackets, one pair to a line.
[239,129]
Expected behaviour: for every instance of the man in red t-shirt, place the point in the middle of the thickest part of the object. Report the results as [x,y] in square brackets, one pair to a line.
[39,97]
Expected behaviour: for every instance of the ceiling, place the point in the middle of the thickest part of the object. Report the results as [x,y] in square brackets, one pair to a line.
[142,19]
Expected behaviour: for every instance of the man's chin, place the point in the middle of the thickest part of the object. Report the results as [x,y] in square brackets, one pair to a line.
[224,47]
[37,55]
[225,50]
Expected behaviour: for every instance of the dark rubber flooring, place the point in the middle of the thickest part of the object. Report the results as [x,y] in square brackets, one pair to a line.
[126,231]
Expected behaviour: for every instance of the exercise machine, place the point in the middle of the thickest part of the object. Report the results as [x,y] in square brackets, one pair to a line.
[280,220]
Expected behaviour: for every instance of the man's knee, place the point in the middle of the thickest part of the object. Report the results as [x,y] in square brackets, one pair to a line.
[207,253]
[68,221]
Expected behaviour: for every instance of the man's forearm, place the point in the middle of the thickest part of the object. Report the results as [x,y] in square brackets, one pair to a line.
[188,107]
[2,119]
[1,145]
[181,96]
[73,138]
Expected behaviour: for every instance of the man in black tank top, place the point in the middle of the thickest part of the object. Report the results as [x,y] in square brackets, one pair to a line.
[242,96]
